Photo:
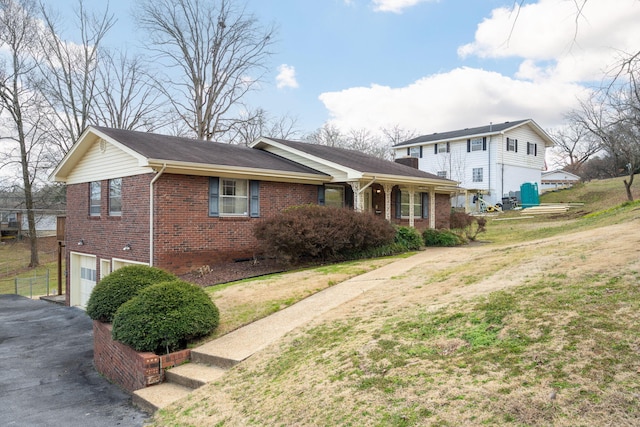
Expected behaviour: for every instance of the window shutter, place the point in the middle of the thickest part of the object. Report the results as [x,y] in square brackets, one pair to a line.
[214,196]
[425,205]
[254,201]
[321,195]
[408,151]
[468,145]
[348,196]
[516,145]
[435,148]
[448,147]
[535,149]
[398,203]
[484,143]
[421,151]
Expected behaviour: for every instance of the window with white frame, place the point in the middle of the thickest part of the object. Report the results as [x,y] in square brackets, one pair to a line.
[512,144]
[334,196]
[94,198]
[477,144]
[532,149]
[442,174]
[442,148]
[478,174]
[115,197]
[414,152]
[234,196]
[405,204]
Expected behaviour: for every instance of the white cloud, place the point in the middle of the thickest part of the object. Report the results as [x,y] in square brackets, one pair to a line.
[463,97]
[561,53]
[286,77]
[395,6]
[554,40]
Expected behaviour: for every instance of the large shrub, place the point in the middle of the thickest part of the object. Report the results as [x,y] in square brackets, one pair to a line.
[164,317]
[440,238]
[119,287]
[409,238]
[322,232]
[469,226]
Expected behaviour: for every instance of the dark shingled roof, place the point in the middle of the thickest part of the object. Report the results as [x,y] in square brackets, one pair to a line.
[357,160]
[457,134]
[173,148]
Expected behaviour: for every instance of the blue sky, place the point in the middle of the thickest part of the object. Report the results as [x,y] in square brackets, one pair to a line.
[428,65]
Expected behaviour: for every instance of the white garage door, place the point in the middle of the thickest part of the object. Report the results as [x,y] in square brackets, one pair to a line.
[82,278]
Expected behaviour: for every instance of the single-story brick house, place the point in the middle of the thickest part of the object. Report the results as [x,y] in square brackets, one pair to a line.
[180,204]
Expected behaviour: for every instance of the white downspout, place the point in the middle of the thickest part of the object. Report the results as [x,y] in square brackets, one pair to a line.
[151,211]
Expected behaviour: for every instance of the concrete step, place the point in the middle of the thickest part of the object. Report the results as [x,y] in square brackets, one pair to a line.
[211,359]
[193,375]
[152,398]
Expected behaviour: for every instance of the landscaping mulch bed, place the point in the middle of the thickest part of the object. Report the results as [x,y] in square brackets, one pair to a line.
[232,271]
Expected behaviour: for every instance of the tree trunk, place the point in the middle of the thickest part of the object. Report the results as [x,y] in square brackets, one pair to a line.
[627,186]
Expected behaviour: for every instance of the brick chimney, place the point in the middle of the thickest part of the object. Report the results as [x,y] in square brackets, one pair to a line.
[408,161]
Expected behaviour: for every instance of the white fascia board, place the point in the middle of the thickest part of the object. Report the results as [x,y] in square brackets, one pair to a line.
[205,169]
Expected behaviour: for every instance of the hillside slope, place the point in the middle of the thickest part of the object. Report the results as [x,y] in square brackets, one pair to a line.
[543,331]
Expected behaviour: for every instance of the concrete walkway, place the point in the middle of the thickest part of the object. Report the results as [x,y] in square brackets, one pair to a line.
[211,359]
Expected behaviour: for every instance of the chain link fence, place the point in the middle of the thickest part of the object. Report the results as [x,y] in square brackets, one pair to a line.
[35,286]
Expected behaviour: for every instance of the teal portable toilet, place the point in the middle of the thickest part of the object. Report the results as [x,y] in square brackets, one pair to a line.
[529,194]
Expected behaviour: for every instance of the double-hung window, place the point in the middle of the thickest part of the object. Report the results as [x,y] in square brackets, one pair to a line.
[94,198]
[512,145]
[234,197]
[115,197]
[477,144]
[405,204]
[532,149]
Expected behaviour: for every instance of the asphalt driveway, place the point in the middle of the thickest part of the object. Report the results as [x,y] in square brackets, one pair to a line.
[47,376]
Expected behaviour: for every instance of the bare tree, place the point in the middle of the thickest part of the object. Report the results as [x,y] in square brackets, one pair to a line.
[575,144]
[256,123]
[397,134]
[69,71]
[364,141]
[126,96]
[328,135]
[19,101]
[613,116]
[219,52]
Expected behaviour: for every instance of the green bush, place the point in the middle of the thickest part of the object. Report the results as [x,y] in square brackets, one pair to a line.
[440,238]
[164,317]
[320,232]
[119,287]
[409,238]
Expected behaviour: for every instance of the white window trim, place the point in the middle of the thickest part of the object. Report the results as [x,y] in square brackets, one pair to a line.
[222,197]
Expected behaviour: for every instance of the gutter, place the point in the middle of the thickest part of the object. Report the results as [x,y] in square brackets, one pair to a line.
[151,211]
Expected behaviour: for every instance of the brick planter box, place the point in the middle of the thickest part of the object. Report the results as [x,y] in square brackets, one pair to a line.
[130,369]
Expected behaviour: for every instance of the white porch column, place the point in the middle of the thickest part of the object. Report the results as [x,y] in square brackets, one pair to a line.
[432,208]
[358,200]
[388,188]
[412,221]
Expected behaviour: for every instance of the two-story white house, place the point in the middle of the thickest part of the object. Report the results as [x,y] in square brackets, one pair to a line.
[493,160]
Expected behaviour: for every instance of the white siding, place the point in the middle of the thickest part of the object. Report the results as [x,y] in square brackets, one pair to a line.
[98,164]
[502,171]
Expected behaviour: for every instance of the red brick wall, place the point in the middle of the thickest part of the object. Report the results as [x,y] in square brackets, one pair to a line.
[185,236]
[126,367]
[188,238]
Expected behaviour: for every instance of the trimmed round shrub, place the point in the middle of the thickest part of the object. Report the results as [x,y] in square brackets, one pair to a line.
[164,317]
[440,238]
[409,238]
[119,287]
